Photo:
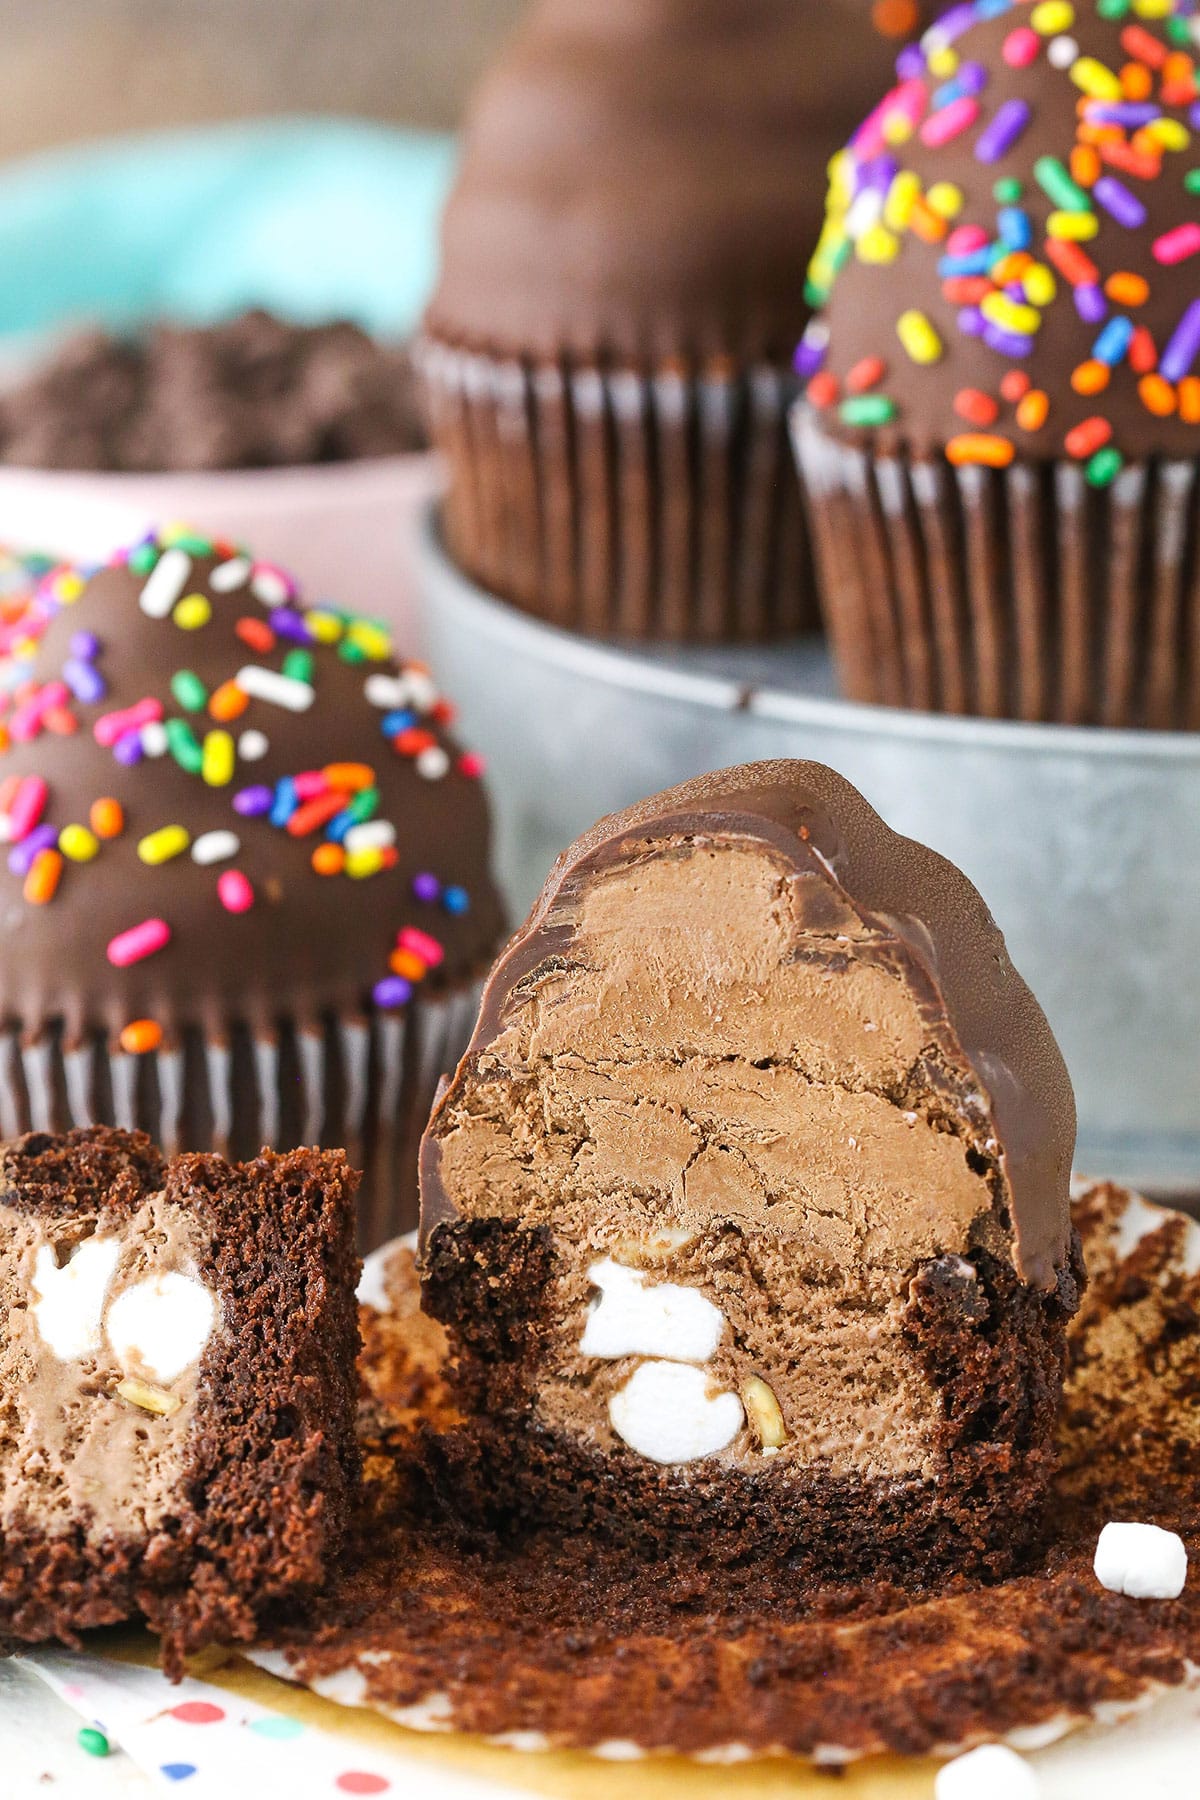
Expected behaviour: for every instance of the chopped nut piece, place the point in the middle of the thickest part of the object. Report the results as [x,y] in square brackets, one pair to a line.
[150,1399]
[657,1246]
[762,1410]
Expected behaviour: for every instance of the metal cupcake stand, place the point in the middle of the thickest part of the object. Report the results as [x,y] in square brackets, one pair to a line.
[1085,842]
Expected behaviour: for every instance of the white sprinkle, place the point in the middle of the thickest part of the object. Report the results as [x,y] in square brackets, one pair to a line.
[216,846]
[388,691]
[278,690]
[1061,52]
[253,745]
[229,575]
[1143,1561]
[433,763]
[374,834]
[992,1772]
[168,578]
[154,738]
[269,586]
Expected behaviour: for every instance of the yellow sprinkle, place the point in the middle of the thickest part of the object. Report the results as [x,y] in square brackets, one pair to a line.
[942,61]
[998,309]
[841,179]
[1153,9]
[77,843]
[1099,83]
[1051,17]
[878,245]
[945,199]
[918,336]
[326,627]
[1076,227]
[193,611]
[360,863]
[1039,284]
[897,208]
[69,587]
[218,759]
[372,640]
[1169,133]
[897,128]
[163,844]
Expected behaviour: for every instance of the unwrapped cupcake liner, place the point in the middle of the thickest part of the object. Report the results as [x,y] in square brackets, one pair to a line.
[365,1084]
[1008,593]
[623,504]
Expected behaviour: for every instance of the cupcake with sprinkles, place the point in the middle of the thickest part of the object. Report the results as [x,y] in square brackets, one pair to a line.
[1001,428]
[246,886]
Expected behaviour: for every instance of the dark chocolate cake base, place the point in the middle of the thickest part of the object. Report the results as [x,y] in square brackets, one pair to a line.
[567,1644]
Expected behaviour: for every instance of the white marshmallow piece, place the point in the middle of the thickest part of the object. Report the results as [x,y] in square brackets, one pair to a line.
[631,1319]
[992,1772]
[70,1301]
[666,1413]
[161,1325]
[1143,1561]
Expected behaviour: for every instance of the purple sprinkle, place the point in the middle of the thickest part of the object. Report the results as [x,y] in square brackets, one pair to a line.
[426,886]
[128,748]
[1118,202]
[85,645]
[1090,303]
[1194,115]
[253,801]
[1016,292]
[1002,132]
[1008,343]
[1180,353]
[971,321]
[393,990]
[878,174]
[20,857]
[910,64]
[286,622]
[86,683]
[971,78]
[952,24]
[1122,112]
[809,358]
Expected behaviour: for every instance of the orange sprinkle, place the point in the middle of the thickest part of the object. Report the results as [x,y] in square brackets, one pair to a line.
[141,1036]
[1178,93]
[406,963]
[107,818]
[1011,267]
[976,407]
[1085,165]
[979,447]
[1143,46]
[1088,436]
[43,876]
[1091,133]
[351,776]
[1189,399]
[1144,143]
[929,226]
[328,859]
[1126,288]
[865,374]
[1122,156]
[1157,395]
[60,720]
[229,701]
[1137,83]
[257,634]
[966,290]
[1032,412]
[1179,71]
[1074,264]
[895,18]
[4,737]
[822,390]
[1143,352]
[1014,385]
[1090,377]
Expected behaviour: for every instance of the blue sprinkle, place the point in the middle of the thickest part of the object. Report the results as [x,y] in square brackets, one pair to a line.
[1113,342]
[1014,227]
[456,900]
[339,825]
[395,722]
[285,802]
[976,262]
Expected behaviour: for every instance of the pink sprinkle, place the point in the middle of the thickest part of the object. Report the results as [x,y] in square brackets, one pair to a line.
[1021,47]
[29,803]
[139,941]
[111,726]
[908,100]
[311,784]
[422,945]
[471,764]
[234,891]
[27,721]
[1176,246]
[965,238]
[950,121]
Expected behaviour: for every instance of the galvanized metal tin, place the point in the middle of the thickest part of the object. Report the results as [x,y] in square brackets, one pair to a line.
[1085,842]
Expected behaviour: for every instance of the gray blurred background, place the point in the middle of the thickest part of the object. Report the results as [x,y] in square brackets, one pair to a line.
[78,69]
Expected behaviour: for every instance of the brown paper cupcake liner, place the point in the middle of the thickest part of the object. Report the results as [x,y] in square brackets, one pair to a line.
[365,1084]
[618,504]
[1017,593]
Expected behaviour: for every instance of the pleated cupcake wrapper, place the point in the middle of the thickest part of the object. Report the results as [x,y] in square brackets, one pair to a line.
[625,505]
[1020,592]
[362,1084]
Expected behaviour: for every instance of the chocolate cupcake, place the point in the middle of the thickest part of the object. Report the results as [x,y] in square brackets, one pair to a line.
[247,891]
[607,356]
[1002,433]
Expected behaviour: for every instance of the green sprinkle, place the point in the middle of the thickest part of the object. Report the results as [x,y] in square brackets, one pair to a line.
[1191,181]
[188,690]
[1178,30]
[143,559]
[181,742]
[1104,466]
[351,652]
[191,542]
[1007,191]
[364,805]
[94,1742]
[868,409]
[1055,182]
[816,293]
[1112,9]
[298,665]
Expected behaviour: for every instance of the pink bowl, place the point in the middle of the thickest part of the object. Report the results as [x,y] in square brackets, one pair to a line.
[348,530]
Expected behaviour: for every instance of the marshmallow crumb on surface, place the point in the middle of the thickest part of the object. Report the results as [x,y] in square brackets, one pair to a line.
[992,1772]
[1143,1561]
